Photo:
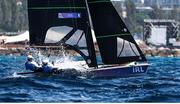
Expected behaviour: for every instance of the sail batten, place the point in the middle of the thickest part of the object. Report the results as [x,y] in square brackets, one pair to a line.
[115,35]
[99,1]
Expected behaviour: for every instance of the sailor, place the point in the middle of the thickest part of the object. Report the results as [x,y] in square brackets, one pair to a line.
[47,67]
[31,64]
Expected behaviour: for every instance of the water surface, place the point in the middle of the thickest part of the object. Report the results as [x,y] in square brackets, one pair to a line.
[160,84]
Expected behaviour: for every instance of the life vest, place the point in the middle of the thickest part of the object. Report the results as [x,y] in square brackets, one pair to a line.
[31,66]
[47,68]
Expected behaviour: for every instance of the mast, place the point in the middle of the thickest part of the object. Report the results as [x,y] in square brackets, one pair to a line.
[92,33]
[90,38]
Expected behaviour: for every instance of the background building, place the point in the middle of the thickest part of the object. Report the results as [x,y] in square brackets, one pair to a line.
[162,3]
[162,33]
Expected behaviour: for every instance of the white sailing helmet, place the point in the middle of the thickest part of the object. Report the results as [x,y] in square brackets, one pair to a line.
[29,57]
[45,61]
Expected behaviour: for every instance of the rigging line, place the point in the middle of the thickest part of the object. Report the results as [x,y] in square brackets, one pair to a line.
[132,49]
[67,36]
[122,48]
[140,52]
[80,38]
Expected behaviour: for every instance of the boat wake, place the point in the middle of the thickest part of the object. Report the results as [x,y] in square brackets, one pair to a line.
[67,66]
[15,75]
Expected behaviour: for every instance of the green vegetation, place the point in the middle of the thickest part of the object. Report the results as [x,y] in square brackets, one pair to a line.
[13,15]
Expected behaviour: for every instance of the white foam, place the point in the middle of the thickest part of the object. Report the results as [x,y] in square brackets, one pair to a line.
[61,62]
[68,63]
[15,75]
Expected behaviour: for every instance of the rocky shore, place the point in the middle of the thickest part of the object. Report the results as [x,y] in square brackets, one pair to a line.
[147,50]
[158,51]
[166,52]
[13,51]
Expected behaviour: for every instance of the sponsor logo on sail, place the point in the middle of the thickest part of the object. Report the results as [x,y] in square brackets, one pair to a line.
[69,15]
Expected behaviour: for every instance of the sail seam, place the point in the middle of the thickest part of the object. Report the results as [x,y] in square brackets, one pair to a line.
[39,8]
[107,36]
[102,1]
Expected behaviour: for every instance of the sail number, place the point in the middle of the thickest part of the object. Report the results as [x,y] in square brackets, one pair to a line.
[138,69]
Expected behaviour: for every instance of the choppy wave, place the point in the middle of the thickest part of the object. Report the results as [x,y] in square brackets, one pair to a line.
[160,84]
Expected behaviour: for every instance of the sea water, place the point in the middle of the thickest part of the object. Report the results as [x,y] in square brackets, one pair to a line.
[160,84]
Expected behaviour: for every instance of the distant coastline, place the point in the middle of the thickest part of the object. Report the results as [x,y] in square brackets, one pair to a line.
[12,49]
[158,51]
[19,49]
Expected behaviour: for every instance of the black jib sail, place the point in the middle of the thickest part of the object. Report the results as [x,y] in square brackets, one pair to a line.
[55,22]
[115,42]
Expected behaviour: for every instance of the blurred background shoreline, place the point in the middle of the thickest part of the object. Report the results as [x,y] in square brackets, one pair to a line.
[153,23]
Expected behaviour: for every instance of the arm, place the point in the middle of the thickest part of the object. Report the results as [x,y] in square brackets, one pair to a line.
[35,64]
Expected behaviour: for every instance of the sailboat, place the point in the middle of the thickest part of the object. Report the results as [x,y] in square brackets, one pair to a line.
[69,23]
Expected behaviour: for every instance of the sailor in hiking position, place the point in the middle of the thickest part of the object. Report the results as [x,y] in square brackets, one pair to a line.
[47,67]
[31,64]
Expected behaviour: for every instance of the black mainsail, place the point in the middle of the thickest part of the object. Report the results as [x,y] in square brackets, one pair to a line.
[115,42]
[54,22]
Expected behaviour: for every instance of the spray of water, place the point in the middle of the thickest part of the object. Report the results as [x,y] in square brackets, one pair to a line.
[62,60]
[67,62]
